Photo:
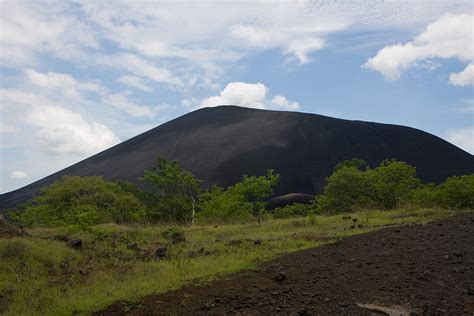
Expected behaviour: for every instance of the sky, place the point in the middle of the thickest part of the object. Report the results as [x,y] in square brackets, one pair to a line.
[78,77]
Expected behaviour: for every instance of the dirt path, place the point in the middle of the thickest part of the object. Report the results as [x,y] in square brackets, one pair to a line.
[411,270]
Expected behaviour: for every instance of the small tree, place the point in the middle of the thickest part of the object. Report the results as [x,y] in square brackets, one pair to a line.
[353,185]
[241,201]
[255,191]
[457,192]
[394,181]
[176,191]
[346,189]
[357,163]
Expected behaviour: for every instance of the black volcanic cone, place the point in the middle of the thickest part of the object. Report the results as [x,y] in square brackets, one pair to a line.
[221,144]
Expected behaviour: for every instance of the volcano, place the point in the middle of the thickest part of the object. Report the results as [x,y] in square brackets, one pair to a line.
[221,144]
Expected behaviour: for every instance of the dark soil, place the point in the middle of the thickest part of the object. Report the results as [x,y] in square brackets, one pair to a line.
[7,230]
[410,270]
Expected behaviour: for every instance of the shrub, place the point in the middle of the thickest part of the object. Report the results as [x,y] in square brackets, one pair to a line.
[174,235]
[346,189]
[175,192]
[311,218]
[425,196]
[241,201]
[287,211]
[457,192]
[393,182]
[83,201]
[353,185]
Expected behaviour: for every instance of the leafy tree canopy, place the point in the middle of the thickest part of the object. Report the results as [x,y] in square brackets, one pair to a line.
[243,200]
[83,201]
[175,191]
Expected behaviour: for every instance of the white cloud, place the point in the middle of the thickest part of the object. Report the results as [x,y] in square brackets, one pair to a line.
[29,28]
[461,137]
[62,84]
[450,36]
[463,78]
[51,80]
[62,131]
[296,41]
[282,102]
[140,67]
[52,128]
[5,128]
[120,101]
[19,174]
[134,82]
[250,95]
[70,88]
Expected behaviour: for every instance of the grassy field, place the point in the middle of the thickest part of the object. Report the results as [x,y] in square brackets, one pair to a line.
[40,275]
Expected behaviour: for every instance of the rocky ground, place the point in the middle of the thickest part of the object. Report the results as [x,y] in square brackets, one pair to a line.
[410,270]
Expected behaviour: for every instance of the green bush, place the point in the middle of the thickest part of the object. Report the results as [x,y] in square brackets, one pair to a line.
[174,235]
[457,192]
[174,192]
[347,188]
[33,257]
[288,211]
[82,201]
[311,218]
[393,182]
[242,201]
[354,186]
[425,196]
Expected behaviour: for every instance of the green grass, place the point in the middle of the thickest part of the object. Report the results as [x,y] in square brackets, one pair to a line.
[42,276]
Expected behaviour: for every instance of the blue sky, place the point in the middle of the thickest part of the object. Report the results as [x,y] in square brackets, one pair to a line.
[78,77]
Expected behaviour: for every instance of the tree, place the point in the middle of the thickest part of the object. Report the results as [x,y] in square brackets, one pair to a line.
[353,185]
[241,201]
[84,201]
[345,190]
[394,181]
[255,191]
[175,192]
[357,163]
[425,195]
[457,192]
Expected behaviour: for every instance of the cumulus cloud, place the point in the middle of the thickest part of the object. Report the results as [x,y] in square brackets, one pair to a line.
[134,82]
[56,129]
[282,102]
[19,174]
[251,95]
[450,36]
[463,78]
[62,131]
[461,137]
[61,83]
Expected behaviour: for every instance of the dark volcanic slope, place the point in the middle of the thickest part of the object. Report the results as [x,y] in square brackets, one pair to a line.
[220,144]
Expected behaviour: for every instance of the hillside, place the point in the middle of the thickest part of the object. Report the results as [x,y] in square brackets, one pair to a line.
[220,144]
